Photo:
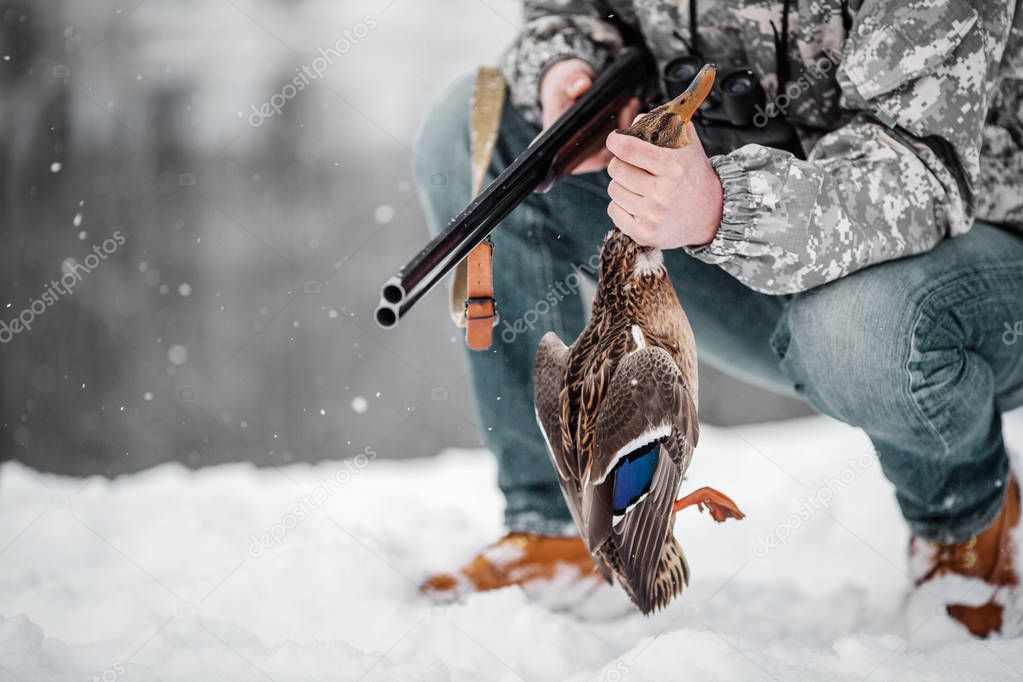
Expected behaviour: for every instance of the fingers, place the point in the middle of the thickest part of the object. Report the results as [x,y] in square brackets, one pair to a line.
[623,220]
[577,85]
[628,176]
[556,104]
[640,232]
[562,84]
[654,160]
[627,199]
[630,189]
[635,215]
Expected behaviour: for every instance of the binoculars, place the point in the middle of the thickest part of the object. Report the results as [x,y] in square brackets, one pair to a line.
[735,96]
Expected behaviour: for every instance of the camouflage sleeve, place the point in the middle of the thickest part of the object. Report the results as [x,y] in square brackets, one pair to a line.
[916,78]
[556,30]
[1001,177]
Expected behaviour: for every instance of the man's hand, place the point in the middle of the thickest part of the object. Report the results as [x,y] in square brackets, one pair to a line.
[663,197]
[563,83]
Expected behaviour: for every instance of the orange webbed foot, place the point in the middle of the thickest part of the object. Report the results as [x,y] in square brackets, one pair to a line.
[719,505]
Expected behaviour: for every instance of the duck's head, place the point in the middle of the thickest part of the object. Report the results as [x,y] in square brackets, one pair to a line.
[665,126]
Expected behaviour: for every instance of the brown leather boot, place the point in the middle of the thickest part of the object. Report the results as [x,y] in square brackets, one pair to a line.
[515,559]
[988,556]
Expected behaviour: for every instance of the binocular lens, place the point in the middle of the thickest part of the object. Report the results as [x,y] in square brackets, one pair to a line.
[738,83]
[679,73]
[683,72]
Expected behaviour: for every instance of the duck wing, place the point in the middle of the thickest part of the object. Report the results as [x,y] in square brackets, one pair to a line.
[548,394]
[645,434]
[647,398]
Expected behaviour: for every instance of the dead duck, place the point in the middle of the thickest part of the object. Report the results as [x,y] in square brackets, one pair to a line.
[618,407]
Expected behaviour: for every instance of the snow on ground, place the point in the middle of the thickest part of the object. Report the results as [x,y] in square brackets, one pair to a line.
[309,573]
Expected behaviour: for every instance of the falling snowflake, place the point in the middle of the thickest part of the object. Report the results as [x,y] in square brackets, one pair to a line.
[178,355]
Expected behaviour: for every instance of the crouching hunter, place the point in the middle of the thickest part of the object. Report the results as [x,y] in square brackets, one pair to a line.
[851,233]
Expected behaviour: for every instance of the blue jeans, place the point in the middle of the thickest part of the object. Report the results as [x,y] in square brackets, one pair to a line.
[911,351]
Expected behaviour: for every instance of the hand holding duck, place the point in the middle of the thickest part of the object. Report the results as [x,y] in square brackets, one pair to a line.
[663,197]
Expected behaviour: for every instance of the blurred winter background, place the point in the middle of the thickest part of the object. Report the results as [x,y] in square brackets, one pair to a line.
[234,260]
[234,322]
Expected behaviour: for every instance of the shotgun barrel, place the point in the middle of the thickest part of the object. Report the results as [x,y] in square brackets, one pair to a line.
[573,137]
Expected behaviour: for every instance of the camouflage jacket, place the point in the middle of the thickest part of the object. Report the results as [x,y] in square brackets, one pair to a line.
[909,112]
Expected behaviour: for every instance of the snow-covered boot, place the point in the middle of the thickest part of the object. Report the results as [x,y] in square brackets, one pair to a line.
[516,559]
[987,559]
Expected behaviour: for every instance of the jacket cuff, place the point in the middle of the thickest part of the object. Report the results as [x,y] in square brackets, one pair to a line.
[740,207]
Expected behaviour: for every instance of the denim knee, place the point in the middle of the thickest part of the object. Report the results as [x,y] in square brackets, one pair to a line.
[891,354]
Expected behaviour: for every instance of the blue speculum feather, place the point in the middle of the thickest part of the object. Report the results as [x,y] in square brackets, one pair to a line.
[632,477]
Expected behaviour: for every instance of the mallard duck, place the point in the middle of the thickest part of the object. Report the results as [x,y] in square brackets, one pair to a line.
[618,407]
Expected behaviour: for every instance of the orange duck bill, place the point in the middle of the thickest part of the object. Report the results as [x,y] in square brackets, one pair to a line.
[686,104]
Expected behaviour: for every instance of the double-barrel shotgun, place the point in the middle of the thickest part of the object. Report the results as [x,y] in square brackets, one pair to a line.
[576,135]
